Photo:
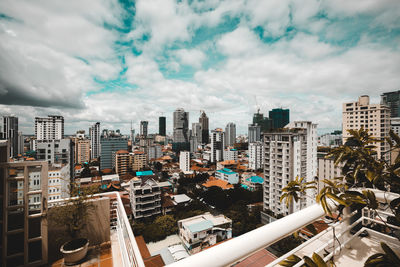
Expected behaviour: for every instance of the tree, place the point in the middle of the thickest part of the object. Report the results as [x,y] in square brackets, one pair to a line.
[167,224]
[361,169]
[158,166]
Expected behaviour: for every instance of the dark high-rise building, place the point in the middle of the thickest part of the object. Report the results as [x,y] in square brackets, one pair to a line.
[143,128]
[9,131]
[203,120]
[181,130]
[161,126]
[279,117]
[264,122]
[392,100]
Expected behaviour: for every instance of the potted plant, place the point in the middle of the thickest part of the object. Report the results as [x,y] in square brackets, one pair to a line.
[73,215]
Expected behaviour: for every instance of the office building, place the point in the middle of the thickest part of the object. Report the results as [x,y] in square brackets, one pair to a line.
[217,145]
[289,153]
[82,151]
[154,151]
[230,134]
[279,117]
[21,143]
[55,151]
[264,122]
[256,156]
[202,231]
[197,132]
[162,126]
[144,128]
[50,128]
[373,117]
[9,131]
[23,217]
[94,133]
[109,146]
[203,120]
[392,100]
[145,197]
[184,161]
[180,130]
[254,134]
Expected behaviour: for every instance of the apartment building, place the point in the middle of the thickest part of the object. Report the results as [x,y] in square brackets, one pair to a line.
[95,147]
[202,231]
[184,161]
[289,153]
[230,154]
[327,169]
[139,160]
[123,162]
[227,175]
[50,128]
[145,197]
[82,151]
[217,145]
[373,117]
[256,155]
[59,179]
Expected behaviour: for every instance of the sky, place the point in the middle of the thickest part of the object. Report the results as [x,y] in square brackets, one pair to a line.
[122,61]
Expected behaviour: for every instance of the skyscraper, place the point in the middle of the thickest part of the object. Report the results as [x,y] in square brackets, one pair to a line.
[279,117]
[181,130]
[162,126]
[9,131]
[203,120]
[254,134]
[374,117]
[217,145]
[230,134]
[143,128]
[50,128]
[94,133]
[264,122]
[392,100]
[289,153]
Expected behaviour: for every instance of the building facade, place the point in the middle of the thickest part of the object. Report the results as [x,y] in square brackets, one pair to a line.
[94,133]
[162,126]
[374,117]
[227,175]
[50,128]
[145,197]
[184,161]
[230,154]
[203,120]
[55,151]
[230,134]
[279,117]
[289,153]
[217,145]
[9,131]
[392,100]
[110,146]
[144,125]
[139,160]
[256,156]
[123,162]
[254,134]
[59,179]
[82,151]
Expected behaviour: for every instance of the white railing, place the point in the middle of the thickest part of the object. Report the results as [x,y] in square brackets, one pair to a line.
[129,249]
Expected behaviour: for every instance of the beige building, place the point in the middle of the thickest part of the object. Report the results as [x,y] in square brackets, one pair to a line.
[374,117]
[82,151]
[123,163]
[327,169]
[139,160]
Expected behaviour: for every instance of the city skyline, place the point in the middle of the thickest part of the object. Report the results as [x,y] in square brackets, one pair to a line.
[114,62]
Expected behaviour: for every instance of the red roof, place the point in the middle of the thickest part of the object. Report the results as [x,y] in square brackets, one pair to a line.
[258,259]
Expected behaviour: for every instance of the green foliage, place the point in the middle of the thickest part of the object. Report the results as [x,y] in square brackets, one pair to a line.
[75,211]
[387,258]
[295,189]
[157,230]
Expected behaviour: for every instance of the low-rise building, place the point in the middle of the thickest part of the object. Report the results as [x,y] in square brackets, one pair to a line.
[253,183]
[202,231]
[145,197]
[227,175]
[230,154]
[139,160]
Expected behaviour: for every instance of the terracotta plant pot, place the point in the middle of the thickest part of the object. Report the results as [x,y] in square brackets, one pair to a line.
[74,250]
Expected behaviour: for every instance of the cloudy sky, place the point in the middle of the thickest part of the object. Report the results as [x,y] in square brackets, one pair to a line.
[117,61]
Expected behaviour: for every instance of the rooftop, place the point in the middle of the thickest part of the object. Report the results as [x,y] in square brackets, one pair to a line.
[212,181]
[143,173]
[226,171]
[255,179]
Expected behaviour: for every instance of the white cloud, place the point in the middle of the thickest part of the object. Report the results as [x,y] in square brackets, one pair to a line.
[191,57]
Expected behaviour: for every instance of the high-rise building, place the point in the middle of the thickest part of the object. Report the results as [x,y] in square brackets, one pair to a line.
[264,122]
[254,133]
[56,151]
[82,151]
[50,128]
[21,143]
[230,154]
[9,131]
[197,131]
[279,117]
[23,217]
[94,133]
[217,145]
[139,160]
[230,134]
[289,153]
[143,128]
[203,120]
[392,100]
[109,146]
[162,126]
[122,162]
[184,161]
[256,155]
[181,130]
[154,151]
[374,117]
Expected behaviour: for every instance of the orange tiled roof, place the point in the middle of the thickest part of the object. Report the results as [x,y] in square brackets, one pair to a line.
[122,151]
[217,182]
[227,162]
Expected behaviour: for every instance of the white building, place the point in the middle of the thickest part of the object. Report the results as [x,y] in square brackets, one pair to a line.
[289,153]
[227,175]
[330,139]
[327,169]
[374,117]
[230,134]
[154,152]
[395,125]
[231,154]
[145,197]
[94,133]
[200,232]
[254,134]
[256,155]
[50,128]
[59,179]
[184,161]
[217,145]
[54,151]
